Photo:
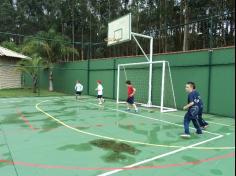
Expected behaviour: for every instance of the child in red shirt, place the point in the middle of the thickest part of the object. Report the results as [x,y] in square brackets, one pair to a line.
[130,99]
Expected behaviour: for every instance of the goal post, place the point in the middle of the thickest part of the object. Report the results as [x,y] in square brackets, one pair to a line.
[157,92]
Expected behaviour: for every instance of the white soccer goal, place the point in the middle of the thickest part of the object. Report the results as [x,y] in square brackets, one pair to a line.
[157,92]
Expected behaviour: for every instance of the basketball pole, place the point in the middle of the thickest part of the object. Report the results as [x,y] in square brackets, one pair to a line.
[149,103]
[116,34]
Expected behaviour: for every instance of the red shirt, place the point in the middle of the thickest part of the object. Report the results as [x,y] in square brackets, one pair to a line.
[130,90]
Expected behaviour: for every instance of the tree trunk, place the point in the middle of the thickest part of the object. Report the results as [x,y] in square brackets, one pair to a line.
[165,26]
[34,84]
[186,29]
[160,26]
[73,32]
[50,81]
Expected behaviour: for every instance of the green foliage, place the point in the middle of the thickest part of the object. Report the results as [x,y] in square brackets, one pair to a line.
[11,45]
[50,45]
[31,67]
[56,24]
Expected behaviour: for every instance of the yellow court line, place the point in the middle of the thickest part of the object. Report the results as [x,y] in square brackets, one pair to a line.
[122,140]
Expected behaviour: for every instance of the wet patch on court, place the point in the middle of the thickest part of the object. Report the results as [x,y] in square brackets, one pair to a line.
[82,127]
[77,147]
[189,158]
[113,157]
[12,119]
[48,126]
[216,172]
[117,150]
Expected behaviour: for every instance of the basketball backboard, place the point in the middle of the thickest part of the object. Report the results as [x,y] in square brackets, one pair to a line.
[119,30]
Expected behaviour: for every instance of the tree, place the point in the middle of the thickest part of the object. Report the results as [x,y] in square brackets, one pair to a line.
[52,47]
[11,46]
[186,20]
[31,67]
[7,15]
[85,24]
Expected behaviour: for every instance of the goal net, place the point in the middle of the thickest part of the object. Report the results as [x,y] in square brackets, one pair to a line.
[153,84]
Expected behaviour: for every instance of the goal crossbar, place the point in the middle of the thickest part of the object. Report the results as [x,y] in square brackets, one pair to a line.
[141,63]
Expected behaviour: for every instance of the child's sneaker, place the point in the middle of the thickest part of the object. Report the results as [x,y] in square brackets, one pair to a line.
[204,127]
[197,133]
[185,135]
[136,110]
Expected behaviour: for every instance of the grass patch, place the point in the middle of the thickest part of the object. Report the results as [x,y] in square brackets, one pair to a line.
[27,92]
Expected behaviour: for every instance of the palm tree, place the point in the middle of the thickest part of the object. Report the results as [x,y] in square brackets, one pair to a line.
[52,47]
[31,67]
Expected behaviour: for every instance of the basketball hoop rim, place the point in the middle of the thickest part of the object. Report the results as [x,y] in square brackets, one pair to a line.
[111,40]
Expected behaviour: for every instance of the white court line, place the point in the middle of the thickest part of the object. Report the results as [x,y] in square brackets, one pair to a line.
[122,140]
[160,156]
[11,101]
[176,115]
[163,155]
[146,117]
[221,124]
[147,160]
[171,114]
[100,136]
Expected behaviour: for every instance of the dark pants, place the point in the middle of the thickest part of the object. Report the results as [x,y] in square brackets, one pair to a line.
[201,121]
[78,93]
[187,119]
[130,100]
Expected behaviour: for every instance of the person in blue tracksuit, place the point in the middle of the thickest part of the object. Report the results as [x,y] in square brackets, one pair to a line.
[194,111]
[203,124]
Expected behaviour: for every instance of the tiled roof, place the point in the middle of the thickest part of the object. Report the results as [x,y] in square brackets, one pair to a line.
[9,53]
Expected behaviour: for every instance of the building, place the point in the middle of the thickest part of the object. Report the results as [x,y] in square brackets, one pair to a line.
[9,76]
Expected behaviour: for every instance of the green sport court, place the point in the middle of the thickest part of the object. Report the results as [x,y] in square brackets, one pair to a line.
[61,136]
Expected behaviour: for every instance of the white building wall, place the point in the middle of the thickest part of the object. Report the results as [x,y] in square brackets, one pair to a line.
[9,76]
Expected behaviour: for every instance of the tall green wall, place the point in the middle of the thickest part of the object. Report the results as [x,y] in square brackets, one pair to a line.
[213,72]
[66,75]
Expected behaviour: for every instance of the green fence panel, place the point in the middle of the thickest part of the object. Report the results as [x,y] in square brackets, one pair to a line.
[101,64]
[224,56]
[106,76]
[194,58]
[66,75]
[184,74]
[222,93]
[43,79]
[185,66]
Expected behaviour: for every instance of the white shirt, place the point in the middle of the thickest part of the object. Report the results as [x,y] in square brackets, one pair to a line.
[100,89]
[79,87]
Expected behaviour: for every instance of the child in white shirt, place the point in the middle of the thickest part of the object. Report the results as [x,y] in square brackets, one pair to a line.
[99,90]
[78,89]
